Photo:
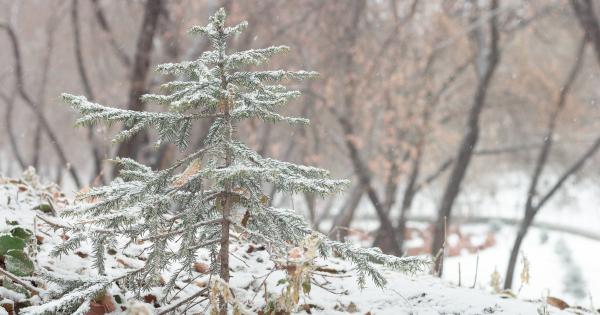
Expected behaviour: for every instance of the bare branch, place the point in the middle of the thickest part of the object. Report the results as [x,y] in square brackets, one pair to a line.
[31,104]
[530,209]
[569,172]
[12,138]
[101,19]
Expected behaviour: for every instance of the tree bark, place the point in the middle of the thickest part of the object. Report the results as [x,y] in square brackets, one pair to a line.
[469,141]
[141,66]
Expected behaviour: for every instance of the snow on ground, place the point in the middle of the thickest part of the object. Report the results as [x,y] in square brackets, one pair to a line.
[332,293]
[546,252]
[576,205]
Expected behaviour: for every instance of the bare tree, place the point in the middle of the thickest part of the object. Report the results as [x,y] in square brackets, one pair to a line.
[486,62]
[412,184]
[584,11]
[33,106]
[534,201]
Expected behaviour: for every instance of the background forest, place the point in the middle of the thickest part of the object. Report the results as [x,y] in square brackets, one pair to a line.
[461,124]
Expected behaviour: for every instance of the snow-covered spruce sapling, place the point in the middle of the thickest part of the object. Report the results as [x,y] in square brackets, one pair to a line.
[200,200]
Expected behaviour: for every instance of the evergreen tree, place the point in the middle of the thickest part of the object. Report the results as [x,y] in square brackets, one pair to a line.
[201,199]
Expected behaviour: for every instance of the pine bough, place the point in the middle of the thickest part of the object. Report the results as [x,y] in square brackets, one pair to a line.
[191,203]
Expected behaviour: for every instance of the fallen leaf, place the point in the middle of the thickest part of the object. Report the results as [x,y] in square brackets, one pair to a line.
[101,307]
[556,302]
[81,254]
[8,306]
[351,308]
[201,267]
[150,298]
[123,262]
[254,248]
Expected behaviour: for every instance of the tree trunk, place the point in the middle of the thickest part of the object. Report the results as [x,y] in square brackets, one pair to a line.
[87,87]
[469,141]
[227,202]
[409,194]
[386,233]
[342,221]
[141,66]
[387,238]
[224,243]
[391,188]
[514,253]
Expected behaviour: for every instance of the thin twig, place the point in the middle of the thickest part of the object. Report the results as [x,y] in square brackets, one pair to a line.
[264,282]
[183,301]
[459,276]
[208,222]
[476,271]
[53,224]
[101,19]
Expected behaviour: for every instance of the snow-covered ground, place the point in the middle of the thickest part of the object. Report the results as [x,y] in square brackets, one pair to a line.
[555,259]
[575,205]
[331,293]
